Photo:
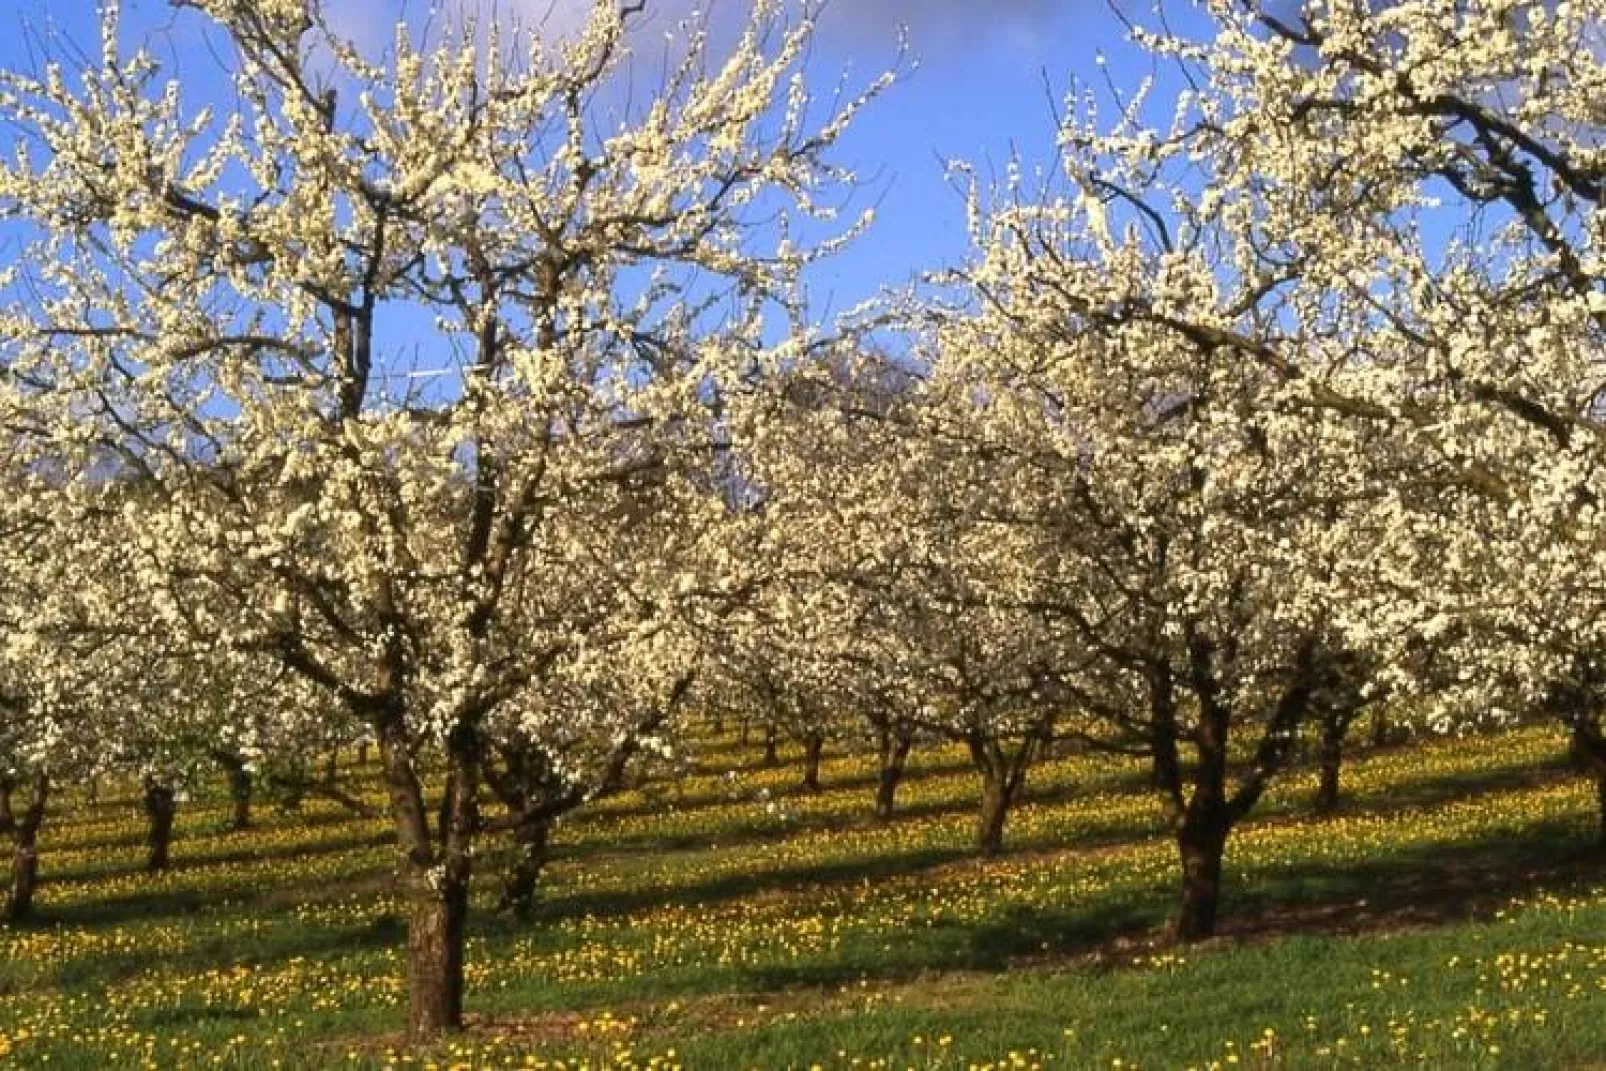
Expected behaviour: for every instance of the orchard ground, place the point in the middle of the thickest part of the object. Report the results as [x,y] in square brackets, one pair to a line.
[1450,915]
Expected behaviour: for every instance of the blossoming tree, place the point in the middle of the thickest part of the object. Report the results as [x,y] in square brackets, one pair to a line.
[214,307]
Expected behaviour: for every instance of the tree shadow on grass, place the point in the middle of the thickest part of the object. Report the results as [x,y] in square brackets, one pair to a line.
[143,905]
[1432,885]
[623,903]
[1436,885]
[690,804]
[185,860]
[223,951]
[764,830]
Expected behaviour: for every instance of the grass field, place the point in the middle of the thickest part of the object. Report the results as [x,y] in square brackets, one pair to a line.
[1450,916]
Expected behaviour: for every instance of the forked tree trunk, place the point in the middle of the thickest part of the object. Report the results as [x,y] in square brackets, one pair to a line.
[161,805]
[995,801]
[1202,844]
[1002,777]
[1600,795]
[894,755]
[531,839]
[813,749]
[1380,726]
[1330,761]
[25,848]
[239,781]
[1590,746]
[434,883]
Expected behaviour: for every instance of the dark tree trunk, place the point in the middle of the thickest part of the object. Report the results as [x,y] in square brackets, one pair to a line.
[894,754]
[1380,726]
[1002,777]
[995,800]
[362,754]
[1600,795]
[1589,748]
[1330,761]
[1202,843]
[331,770]
[531,838]
[438,912]
[772,757]
[1207,818]
[25,849]
[747,731]
[161,804]
[239,781]
[6,820]
[813,748]
[435,883]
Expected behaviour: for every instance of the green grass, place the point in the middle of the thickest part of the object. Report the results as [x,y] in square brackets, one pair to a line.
[1449,916]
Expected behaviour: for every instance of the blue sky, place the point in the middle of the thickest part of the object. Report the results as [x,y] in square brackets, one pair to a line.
[979,92]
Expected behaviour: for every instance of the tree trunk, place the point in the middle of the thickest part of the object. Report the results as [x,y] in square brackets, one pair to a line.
[1600,794]
[1380,726]
[894,755]
[1331,762]
[531,837]
[813,748]
[1589,747]
[772,756]
[1202,842]
[6,819]
[160,806]
[239,781]
[362,754]
[439,910]
[331,770]
[435,883]
[25,851]
[995,801]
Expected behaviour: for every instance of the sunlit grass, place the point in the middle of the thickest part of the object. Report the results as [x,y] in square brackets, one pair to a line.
[1448,916]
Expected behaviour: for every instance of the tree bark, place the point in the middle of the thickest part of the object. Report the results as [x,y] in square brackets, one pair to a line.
[813,748]
[435,883]
[894,755]
[161,805]
[772,756]
[1589,747]
[995,800]
[1202,843]
[531,839]
[239,781]
[25,849]
[1380,727]
[1002,777]
[1600,795]
[1330,761]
